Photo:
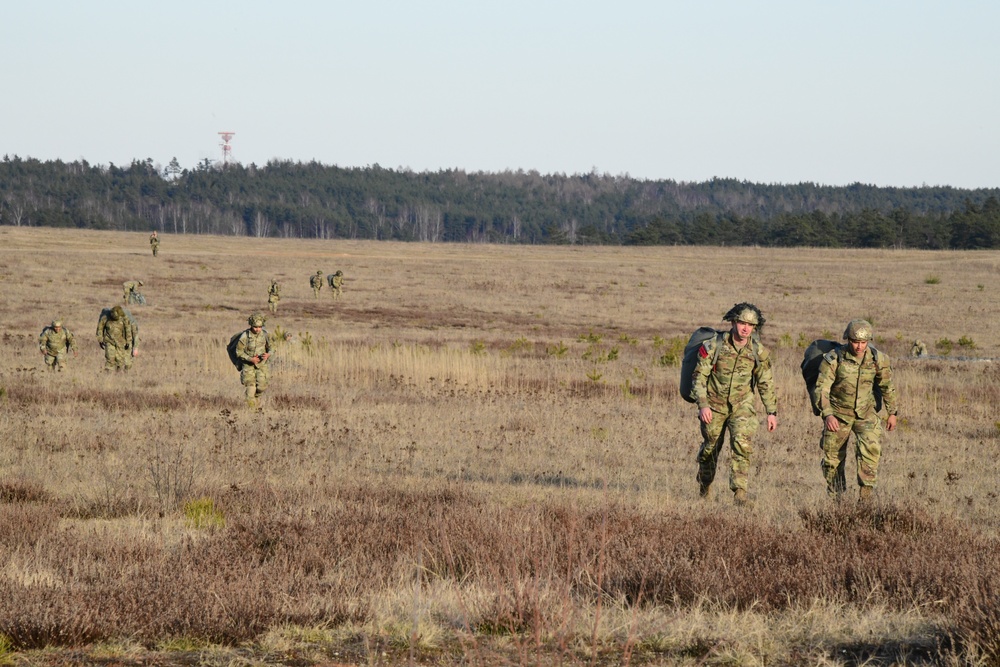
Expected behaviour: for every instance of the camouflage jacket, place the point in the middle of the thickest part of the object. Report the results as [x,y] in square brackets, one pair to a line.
[252,345]
[731,381]
[334,280]
[154,240]
[845,384]
[274,290]
[119,333]
[315,281]
[52,342]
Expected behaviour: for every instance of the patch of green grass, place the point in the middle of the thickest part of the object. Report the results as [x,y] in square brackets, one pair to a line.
[201,513]
[932,280]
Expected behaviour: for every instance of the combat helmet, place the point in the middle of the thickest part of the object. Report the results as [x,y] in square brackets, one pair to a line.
[858,330]
[745,312]
[339,273]
[140,283]
[256,320]
[116,313]
[319,273]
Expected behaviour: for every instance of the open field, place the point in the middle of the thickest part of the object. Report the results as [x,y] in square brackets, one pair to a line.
[479,456]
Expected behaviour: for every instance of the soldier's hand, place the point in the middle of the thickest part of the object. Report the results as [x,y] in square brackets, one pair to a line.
[832,424]
[265,356]
[890,423]
[135,352]
[772,422]
[255,360]
[705,415]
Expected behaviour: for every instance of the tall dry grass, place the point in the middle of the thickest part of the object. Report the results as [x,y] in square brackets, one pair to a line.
[480,452]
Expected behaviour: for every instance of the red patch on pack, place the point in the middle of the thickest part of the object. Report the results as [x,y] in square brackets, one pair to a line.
[702,352]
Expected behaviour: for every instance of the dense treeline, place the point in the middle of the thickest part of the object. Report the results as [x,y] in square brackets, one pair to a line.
[311,200]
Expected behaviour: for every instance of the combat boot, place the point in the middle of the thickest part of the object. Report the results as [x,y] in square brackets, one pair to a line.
[703,489]
[740,497]
[865,494]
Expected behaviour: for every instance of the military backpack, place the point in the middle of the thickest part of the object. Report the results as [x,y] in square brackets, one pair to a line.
[690,359]
[231,349]
[813,357]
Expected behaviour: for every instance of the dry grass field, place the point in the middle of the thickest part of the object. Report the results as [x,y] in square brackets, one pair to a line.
[479,456]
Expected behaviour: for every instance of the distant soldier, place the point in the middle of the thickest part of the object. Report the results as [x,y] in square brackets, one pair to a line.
[919,349]
[845,395]
[154,243]
[130,291]
[316,282]
[728,370]
[54,342]
[253,349]
[118,336]
[273,295]
[336,282]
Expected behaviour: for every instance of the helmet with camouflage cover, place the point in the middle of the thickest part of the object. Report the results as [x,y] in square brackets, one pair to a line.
[745,312]
[319,273]
[117,313]
[140,283]
[858,330]
[339,273]
[256,320]
[56,323]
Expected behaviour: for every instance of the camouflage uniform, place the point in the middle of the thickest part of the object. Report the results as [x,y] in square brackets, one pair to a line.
[118,336]
[728,389]
[254,377]
[316,282]
[845,389]
[54,345]
[336,282]
[919,349]
[130,289]
[154,243]
[273,296]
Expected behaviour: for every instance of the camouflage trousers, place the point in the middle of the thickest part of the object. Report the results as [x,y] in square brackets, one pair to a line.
[117,358]
[336,292]
[742,424]
[55,361]
[316,292]
[254,382]
[867,451]
[272,304]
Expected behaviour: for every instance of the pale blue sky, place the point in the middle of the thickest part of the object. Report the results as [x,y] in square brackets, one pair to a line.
[889,93]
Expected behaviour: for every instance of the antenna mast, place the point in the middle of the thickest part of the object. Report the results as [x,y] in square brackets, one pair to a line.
[227,150]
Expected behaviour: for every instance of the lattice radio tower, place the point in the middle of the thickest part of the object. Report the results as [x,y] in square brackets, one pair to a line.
[227,150]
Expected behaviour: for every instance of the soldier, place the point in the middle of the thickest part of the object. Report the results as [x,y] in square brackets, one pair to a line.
[316,282]
[130,291]
[919,349]
[154,243]
[729,367]
[273,295]
[54,342]
[336,282]
[253,349]
[118,336]
[845,395]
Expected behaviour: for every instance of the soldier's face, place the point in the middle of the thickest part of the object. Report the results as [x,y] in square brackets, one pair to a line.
[57,329]
[256,330]
[742,330]
[858,347]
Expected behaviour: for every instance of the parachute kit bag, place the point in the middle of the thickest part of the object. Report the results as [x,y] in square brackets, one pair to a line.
[231,349]
[811,361]
[690,359]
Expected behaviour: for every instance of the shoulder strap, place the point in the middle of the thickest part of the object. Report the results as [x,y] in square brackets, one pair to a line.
[720,340]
